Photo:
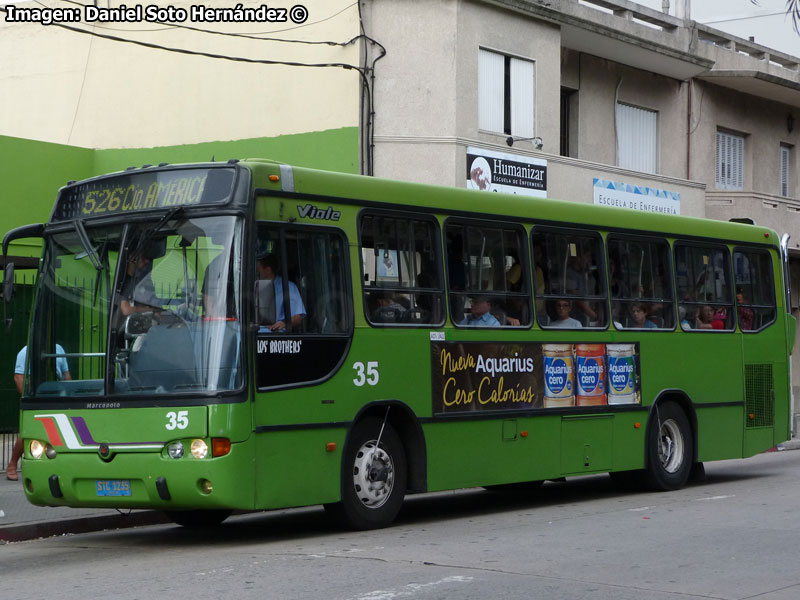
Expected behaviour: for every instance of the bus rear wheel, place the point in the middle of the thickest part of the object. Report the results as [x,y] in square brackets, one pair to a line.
[669,449]
[198,519]
[373,477]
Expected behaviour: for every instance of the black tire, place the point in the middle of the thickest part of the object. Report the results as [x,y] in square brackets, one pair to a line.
[373,487]
[198,519]
[670,448]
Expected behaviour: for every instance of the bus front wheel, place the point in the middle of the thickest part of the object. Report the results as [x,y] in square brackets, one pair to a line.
[373,477]
[669,448]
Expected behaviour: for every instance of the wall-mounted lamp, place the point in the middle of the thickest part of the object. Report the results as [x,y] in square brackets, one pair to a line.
[790,123]
[537,141]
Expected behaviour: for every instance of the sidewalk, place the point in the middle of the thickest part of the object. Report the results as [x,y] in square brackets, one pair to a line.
[21,520]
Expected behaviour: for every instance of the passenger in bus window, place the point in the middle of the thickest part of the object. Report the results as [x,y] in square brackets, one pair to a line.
[267,267]
[639,318]
[139,293]
[746,315]
[707,318]
[388,309]
[480,315]
[687,315]
[580,282]
[563,320]
[617,285]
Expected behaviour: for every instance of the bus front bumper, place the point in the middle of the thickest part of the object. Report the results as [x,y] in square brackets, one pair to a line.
[141,480]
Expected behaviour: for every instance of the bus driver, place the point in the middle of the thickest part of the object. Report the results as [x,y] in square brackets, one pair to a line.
[267,267]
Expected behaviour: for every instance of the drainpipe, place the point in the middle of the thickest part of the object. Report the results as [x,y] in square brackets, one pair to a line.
[689,132]
[683,9]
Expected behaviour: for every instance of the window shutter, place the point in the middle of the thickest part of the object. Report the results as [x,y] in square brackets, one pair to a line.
[491,77]
[637,138]
[785,153]
[522,97]
[730,161]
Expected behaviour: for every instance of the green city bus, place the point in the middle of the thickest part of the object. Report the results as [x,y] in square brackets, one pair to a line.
[251,335]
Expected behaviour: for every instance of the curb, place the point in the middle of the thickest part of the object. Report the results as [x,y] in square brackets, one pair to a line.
[42,529]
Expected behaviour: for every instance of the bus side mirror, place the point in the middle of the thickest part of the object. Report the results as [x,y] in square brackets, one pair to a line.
[8,282]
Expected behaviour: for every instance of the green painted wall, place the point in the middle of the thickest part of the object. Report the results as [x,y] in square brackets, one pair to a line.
[334,150]
[33,171]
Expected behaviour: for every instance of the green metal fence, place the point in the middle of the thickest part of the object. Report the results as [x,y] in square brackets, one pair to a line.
[13,336]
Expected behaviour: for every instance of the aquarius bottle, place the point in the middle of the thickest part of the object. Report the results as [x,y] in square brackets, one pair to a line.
[621,373]
[590,364]
[559,369]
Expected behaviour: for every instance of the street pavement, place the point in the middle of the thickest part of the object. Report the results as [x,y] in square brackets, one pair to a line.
[20,520]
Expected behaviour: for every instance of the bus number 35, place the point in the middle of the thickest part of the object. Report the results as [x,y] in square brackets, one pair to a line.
[179,420]
[369,375]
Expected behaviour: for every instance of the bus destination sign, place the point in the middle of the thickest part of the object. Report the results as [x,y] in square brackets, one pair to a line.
[141,191]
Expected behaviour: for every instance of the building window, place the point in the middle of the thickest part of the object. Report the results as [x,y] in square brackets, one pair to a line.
[637,137]
[786,153]
[730,161]
[569,100]
[505,94]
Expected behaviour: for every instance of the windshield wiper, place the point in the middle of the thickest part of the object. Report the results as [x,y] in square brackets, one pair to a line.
[148,235]
[88,249]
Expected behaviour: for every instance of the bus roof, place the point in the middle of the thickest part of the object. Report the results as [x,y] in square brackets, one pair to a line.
[516,208]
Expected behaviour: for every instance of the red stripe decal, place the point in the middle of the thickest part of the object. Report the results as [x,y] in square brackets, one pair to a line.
[52,431]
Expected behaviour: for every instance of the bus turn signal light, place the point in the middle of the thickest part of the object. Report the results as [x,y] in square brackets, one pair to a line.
[274,178]
[220,446]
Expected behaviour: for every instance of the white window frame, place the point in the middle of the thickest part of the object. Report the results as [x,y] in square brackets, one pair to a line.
[730,161]
[785,166]
[493,68]
[637,138]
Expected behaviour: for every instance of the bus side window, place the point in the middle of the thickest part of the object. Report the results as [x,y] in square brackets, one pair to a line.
[570,281]
[640,283]
[755,289]
[488,275]
[311,264]
[401,270]
[705,294]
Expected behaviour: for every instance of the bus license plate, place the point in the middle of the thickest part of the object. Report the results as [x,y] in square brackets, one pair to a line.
[113,487]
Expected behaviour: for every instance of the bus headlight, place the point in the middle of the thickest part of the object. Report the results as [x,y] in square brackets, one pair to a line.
[36,448]
[175,450]
[199,448]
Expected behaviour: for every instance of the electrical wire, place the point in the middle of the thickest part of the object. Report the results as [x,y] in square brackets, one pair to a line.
[251,35]
[366,72]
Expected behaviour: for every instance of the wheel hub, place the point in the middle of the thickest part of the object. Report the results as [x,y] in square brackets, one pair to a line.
[670,447]
[373,475]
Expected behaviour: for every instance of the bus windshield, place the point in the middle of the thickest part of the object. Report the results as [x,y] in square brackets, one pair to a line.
[134,309]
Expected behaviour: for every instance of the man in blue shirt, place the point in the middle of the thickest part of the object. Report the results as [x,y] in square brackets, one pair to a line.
[62,372]
[267,267]
[479,314]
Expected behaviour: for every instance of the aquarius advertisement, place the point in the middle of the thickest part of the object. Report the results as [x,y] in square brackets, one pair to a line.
[480,377]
